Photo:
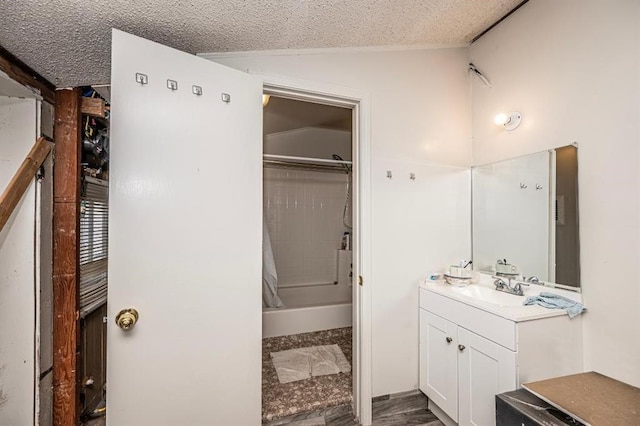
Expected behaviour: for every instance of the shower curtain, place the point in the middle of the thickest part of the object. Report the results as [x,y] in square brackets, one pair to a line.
[270,298]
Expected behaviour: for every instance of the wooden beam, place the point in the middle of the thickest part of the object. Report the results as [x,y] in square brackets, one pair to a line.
[93,106]
[23,74]
[22,179]
[486,30]
[66,265]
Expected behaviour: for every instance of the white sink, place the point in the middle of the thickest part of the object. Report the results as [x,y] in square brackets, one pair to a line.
[484,296]
[489,295]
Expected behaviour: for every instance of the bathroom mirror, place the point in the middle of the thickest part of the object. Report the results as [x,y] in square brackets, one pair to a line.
[525,213]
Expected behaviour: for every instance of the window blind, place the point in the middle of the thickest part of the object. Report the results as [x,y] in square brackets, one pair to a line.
[94,244]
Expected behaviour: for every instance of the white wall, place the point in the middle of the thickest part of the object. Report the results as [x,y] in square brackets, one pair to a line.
[572,68]
[419,226]
[17,266]
[420,117]
[419,98]
[310,142]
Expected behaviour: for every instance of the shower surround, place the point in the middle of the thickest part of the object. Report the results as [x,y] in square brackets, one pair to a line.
[304,214]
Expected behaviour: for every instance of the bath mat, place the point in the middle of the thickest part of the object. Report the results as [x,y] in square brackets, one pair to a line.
[303,363]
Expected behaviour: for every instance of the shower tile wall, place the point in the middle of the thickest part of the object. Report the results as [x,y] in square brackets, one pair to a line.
[304,215]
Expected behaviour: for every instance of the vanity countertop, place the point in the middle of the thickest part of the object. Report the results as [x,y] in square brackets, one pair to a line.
[505,305]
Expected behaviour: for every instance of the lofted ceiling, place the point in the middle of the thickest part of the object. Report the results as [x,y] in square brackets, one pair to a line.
[68,41]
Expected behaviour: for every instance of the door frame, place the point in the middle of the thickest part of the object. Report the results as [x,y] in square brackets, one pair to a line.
[359,103]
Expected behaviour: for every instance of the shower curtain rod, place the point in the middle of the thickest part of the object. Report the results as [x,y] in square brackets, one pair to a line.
[331,168]
[306,159]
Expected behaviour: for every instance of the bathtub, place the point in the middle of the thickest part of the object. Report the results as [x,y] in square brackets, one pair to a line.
[305,318]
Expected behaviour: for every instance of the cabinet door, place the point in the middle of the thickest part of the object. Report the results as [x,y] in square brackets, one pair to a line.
[439,362]
[486,369]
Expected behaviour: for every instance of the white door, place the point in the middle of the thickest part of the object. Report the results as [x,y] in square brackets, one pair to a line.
[485,370]
[439,362]
[184,240]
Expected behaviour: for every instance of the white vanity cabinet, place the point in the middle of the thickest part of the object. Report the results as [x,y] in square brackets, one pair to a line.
[468,355]
[439,361]
[485,369]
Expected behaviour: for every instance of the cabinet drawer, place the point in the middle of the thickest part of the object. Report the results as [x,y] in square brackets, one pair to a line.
[495,328]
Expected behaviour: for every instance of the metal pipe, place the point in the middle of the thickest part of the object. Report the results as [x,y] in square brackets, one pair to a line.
[306,159]
[307,285]
[334,168]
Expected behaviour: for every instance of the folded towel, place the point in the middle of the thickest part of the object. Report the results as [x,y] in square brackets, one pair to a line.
[301,363]
[555,301]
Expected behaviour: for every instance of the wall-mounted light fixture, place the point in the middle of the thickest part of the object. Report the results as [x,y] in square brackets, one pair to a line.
[265,100]
[510,121]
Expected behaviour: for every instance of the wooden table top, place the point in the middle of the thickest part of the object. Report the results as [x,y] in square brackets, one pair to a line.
[592,398]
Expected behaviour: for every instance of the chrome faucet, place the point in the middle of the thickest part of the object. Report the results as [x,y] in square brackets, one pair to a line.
[508,287]
[499,283]
[532,279]
[518,288]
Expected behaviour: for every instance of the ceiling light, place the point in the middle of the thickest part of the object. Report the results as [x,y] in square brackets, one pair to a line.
[510,121]
[265,100]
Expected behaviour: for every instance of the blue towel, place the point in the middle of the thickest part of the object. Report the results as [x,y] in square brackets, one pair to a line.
[554,301]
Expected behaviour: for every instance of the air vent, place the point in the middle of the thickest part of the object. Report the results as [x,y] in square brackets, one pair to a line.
[560,212]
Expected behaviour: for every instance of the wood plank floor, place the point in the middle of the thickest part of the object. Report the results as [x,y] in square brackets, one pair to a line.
[406,408]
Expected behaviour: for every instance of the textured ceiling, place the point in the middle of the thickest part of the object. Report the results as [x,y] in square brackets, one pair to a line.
[68,41]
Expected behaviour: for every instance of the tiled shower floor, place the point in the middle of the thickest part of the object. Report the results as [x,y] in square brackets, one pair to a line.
[281,400]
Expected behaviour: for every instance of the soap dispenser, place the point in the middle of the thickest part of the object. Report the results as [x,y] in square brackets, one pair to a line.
[346,241]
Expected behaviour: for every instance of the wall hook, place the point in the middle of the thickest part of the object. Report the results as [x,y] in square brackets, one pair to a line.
[538,187]
[523,185]
[141,78]
[172,85]
[412,176]
[389,174]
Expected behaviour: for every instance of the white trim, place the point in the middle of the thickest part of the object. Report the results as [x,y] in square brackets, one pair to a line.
[440,414]
[21,91]
[36,299]
[551,274]
[37,277]
[364,260]
[328,50]
[359,102]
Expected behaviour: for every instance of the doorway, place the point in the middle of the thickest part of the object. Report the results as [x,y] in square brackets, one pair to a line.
[307,256]
[359,104]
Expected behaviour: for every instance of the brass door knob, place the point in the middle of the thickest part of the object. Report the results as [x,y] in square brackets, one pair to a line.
[127,318]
